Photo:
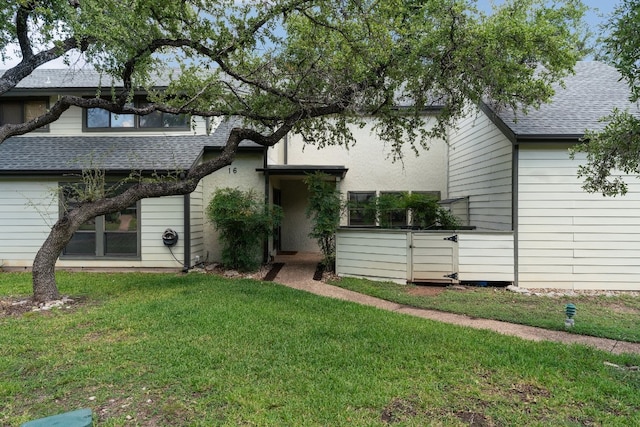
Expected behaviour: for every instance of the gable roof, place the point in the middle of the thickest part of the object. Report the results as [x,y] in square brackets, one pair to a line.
[590,94]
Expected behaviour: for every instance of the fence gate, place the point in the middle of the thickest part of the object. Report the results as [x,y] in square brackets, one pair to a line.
[434,257]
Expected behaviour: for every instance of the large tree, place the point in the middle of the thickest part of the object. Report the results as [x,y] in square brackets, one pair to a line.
[615,149]
[288,66]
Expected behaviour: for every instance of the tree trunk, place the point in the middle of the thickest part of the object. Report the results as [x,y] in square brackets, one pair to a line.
[44,264]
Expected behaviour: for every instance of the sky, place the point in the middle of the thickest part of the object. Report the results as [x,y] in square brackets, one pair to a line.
[599,10]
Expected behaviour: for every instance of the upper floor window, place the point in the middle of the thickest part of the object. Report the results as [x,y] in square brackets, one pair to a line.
[97,119]
[17,111]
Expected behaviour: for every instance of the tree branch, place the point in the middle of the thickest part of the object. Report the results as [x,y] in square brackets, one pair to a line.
[22,29]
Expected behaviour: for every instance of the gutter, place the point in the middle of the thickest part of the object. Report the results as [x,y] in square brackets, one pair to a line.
[265,245]
[514,209]
[187,233]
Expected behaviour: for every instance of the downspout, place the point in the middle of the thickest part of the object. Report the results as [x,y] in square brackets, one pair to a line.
[448,165]
[514,208]
[286,150]
[265,248]
[187,233]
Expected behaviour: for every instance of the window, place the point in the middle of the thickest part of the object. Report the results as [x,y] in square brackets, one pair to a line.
[393,209]
[390,214]
[112,235]
[22,110]
[99,119]
[360,209]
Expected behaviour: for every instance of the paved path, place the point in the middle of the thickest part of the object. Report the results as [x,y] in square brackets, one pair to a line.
[298,273]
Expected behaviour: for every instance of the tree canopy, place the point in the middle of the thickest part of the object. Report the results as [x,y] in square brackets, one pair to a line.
[287,66]
[615,149]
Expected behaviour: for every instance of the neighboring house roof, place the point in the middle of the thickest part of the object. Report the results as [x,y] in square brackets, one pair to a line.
[590,94]
[52,80]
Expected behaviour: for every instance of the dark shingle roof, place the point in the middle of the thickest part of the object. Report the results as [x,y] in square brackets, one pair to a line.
[590,94]
[38,154]
[219,136]
[60,154]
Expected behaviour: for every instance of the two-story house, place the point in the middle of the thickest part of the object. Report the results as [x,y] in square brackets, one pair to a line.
[39,173]
[535,225]
[513,172]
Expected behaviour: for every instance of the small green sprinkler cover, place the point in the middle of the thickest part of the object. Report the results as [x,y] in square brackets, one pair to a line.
[570,309]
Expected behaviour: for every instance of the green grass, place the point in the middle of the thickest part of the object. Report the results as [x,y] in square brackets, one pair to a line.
[615,317]
[145,349]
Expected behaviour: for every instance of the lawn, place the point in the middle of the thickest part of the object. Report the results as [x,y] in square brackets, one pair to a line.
[170,350]
[616,317]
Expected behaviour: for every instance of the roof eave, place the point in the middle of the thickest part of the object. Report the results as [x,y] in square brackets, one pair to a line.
[78,172]
[257,149]
[54,91]
[547,138]
[302,170]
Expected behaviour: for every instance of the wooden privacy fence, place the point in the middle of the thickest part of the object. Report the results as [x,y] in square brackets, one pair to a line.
[405,256]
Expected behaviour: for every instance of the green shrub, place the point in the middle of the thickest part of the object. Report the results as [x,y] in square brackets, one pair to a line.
[243,221]
[324,208]
[390,210]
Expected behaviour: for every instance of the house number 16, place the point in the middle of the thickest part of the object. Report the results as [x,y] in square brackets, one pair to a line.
[233,170]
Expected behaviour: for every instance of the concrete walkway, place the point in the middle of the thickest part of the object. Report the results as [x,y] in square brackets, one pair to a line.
[298,271]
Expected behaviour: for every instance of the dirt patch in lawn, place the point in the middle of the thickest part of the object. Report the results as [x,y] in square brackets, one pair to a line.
[474,419]
[400,410]
[15,307]
[427,290]
[621,308]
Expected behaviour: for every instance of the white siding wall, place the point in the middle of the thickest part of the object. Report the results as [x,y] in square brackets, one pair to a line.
[197,224]
[569,238]
[28,209]
[486,256]
[376,255]
[480,166]
[25,227]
